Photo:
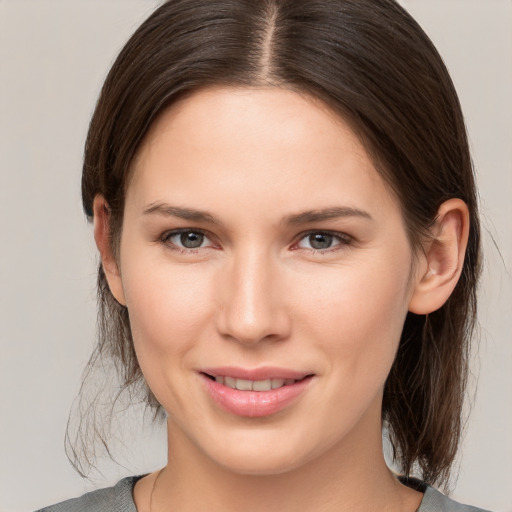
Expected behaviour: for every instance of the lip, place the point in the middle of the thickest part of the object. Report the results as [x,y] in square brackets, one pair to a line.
[255,404]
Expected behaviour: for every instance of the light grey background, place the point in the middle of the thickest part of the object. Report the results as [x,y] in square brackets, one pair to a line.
[54,55]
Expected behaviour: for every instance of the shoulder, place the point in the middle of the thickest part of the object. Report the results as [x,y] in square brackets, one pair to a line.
[118,498]
[434,501]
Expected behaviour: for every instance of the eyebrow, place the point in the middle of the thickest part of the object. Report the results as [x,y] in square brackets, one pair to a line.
[312,216]
[309,216]
[167,210]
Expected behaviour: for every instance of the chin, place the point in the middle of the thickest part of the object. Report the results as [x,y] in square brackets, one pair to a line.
[260,456]
[259,464]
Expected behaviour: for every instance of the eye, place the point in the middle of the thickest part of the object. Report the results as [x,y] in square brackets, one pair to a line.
[322,240]
[186,239]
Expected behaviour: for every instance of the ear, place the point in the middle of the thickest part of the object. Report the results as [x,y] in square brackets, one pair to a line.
[102,237]
[443,258]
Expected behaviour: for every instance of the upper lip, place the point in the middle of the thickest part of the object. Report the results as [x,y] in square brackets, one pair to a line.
[255,374]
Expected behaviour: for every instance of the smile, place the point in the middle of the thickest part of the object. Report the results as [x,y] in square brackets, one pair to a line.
[255,393]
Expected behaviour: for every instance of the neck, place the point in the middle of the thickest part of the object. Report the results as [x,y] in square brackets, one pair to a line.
[352,476]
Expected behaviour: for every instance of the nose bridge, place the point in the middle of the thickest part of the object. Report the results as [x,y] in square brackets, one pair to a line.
[253,306]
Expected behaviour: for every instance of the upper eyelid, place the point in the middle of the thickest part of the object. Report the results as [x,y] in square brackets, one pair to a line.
[171,232]
[337,234]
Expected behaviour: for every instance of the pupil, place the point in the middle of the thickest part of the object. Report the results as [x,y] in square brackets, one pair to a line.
[320,240]
[191,240]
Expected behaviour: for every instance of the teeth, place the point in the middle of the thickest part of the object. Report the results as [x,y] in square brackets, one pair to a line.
[277,383]
[253,385]
[243,385]
[230,382]
[262,385]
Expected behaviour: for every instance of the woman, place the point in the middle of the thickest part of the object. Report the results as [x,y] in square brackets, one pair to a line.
[284,205]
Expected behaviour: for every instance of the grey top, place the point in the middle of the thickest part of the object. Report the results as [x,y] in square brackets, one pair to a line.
[120,499]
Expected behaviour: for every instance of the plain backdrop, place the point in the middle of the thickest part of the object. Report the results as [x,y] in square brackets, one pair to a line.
[54,55]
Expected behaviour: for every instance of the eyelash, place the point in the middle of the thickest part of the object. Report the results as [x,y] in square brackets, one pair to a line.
[343,239]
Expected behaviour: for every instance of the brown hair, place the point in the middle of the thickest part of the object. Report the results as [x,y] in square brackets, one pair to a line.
[370,62]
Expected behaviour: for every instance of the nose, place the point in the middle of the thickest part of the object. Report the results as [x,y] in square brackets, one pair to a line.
[253,300]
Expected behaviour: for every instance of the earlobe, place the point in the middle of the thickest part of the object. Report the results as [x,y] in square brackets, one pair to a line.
[443,258]
[102,238]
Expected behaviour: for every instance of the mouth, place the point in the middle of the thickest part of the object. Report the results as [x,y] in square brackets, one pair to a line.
[253,385]
[255,393]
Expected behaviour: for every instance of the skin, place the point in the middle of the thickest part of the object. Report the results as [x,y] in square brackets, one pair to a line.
[256,293]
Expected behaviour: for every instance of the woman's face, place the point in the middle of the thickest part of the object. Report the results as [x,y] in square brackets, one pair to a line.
[262,251]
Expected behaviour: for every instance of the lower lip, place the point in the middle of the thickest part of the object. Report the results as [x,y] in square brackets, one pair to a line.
[254,404]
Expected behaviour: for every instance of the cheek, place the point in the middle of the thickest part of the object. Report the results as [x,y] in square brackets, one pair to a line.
[168,307]
[357,316]
[169,310]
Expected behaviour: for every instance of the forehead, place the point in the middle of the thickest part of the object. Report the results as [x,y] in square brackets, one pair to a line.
[257,142]
[250,113]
